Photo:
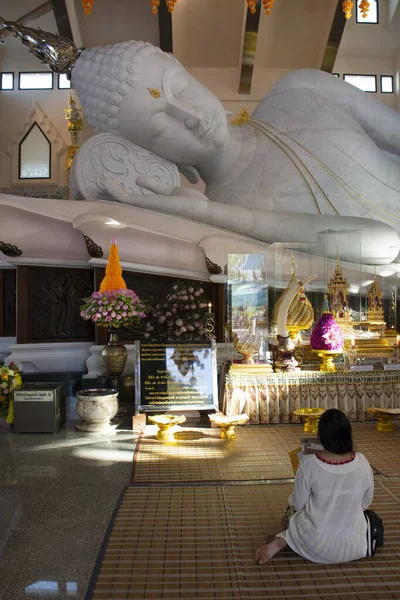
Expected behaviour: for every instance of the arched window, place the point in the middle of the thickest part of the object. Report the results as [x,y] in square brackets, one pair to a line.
[34,155]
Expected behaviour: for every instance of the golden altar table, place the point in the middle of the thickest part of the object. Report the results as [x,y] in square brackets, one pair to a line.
[273,397]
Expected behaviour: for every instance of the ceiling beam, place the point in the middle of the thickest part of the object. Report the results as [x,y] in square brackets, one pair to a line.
[249,49]
[62,18]
[165,28]
[32,15]
[334,39]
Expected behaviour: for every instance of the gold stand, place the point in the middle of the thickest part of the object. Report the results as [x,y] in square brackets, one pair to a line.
[227,424]
[166,426]
[327,365]
[312,416]
[384,417]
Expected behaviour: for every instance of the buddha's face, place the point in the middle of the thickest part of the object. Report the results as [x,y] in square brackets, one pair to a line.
[172,114]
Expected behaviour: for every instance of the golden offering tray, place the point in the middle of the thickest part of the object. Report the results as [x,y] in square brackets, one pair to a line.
[166,426]
[254,368]
[312,416]
[227,424]
[385,417]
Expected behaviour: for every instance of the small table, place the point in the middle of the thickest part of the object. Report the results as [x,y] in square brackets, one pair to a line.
[312,416]
[384,416]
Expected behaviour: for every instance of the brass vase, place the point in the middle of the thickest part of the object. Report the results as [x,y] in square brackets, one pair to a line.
[114,355]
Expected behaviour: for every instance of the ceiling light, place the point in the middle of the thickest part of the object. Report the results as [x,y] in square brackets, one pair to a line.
[113,223]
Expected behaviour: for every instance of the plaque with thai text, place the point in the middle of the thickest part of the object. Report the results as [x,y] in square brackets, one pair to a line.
[176,376]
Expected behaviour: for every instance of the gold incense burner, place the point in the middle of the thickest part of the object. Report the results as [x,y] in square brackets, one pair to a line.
[227,424]
[166,426]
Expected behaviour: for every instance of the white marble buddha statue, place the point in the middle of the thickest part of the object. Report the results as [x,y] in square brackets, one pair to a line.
[318,153]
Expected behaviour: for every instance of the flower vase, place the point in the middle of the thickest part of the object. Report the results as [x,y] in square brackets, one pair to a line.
[114,355]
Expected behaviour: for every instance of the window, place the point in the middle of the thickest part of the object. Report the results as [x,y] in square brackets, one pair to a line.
[7,81]
[387,84]
[34,155]
[63,82]
[366,83]
[336,74]
[373,13]
[36,81]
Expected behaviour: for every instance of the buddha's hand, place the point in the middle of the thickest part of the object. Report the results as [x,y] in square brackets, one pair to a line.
[185,202]
[166,189]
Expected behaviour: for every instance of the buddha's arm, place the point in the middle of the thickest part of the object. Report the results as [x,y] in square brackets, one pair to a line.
[267,226]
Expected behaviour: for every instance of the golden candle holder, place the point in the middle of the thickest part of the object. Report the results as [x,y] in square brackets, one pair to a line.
[166,426]
[384,417]
[227,424]
[312,416]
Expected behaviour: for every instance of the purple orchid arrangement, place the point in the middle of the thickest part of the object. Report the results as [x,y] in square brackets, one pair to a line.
[326,334]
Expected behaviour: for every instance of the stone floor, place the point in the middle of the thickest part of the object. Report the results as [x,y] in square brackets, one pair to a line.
[57,495]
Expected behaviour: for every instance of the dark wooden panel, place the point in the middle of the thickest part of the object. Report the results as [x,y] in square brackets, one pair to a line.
[23,305]
[48,304]
[9,302]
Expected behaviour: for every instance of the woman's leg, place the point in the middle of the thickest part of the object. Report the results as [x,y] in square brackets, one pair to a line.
[265,553]
[268,551]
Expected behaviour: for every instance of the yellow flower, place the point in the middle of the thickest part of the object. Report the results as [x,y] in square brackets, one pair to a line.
[4,376]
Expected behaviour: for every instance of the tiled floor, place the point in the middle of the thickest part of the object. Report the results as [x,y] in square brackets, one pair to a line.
[57,495]
[196,510]
[189,523]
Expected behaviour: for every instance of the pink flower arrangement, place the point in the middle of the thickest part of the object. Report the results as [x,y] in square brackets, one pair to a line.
[181,316]
[112,309]
[326,334]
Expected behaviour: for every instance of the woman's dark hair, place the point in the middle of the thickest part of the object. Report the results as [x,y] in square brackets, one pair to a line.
[334,432]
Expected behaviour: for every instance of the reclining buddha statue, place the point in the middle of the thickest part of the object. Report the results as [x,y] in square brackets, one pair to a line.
[317,154]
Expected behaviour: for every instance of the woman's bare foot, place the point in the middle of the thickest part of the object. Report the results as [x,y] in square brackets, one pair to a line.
[268,551]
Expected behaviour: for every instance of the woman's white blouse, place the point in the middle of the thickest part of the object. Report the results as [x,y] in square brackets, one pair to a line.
[329,524]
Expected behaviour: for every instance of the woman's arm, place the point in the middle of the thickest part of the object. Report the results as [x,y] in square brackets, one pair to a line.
[302,490]
[369,492]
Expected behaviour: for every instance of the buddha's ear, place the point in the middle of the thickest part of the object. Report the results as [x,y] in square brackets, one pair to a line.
[191,173]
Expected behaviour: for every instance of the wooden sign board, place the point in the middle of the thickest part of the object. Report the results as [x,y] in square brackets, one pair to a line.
[176,376]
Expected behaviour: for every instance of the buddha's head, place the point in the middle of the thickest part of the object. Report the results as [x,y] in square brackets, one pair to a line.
[136,90]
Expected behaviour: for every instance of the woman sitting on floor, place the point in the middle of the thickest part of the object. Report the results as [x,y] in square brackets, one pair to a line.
[325,519]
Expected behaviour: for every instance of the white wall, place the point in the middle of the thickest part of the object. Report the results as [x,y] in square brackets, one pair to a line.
[16,104]
[369,66]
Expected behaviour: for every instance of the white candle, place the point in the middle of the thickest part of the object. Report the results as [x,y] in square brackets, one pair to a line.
[353,341]
[398,340]
[209,308]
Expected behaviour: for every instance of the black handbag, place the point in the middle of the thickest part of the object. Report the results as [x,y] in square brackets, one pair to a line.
[375,531]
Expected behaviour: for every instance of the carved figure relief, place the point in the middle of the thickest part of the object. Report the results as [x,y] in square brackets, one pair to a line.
[56,295]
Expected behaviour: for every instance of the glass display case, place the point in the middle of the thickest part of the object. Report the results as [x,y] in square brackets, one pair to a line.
[343,252]
[294,262]
[247,306]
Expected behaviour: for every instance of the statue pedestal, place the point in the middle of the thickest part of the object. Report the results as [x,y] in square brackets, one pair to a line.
[50,357]
[5,344]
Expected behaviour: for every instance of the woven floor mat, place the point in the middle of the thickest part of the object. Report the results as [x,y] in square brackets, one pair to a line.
[259,452]
[201,455]
[197,542]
